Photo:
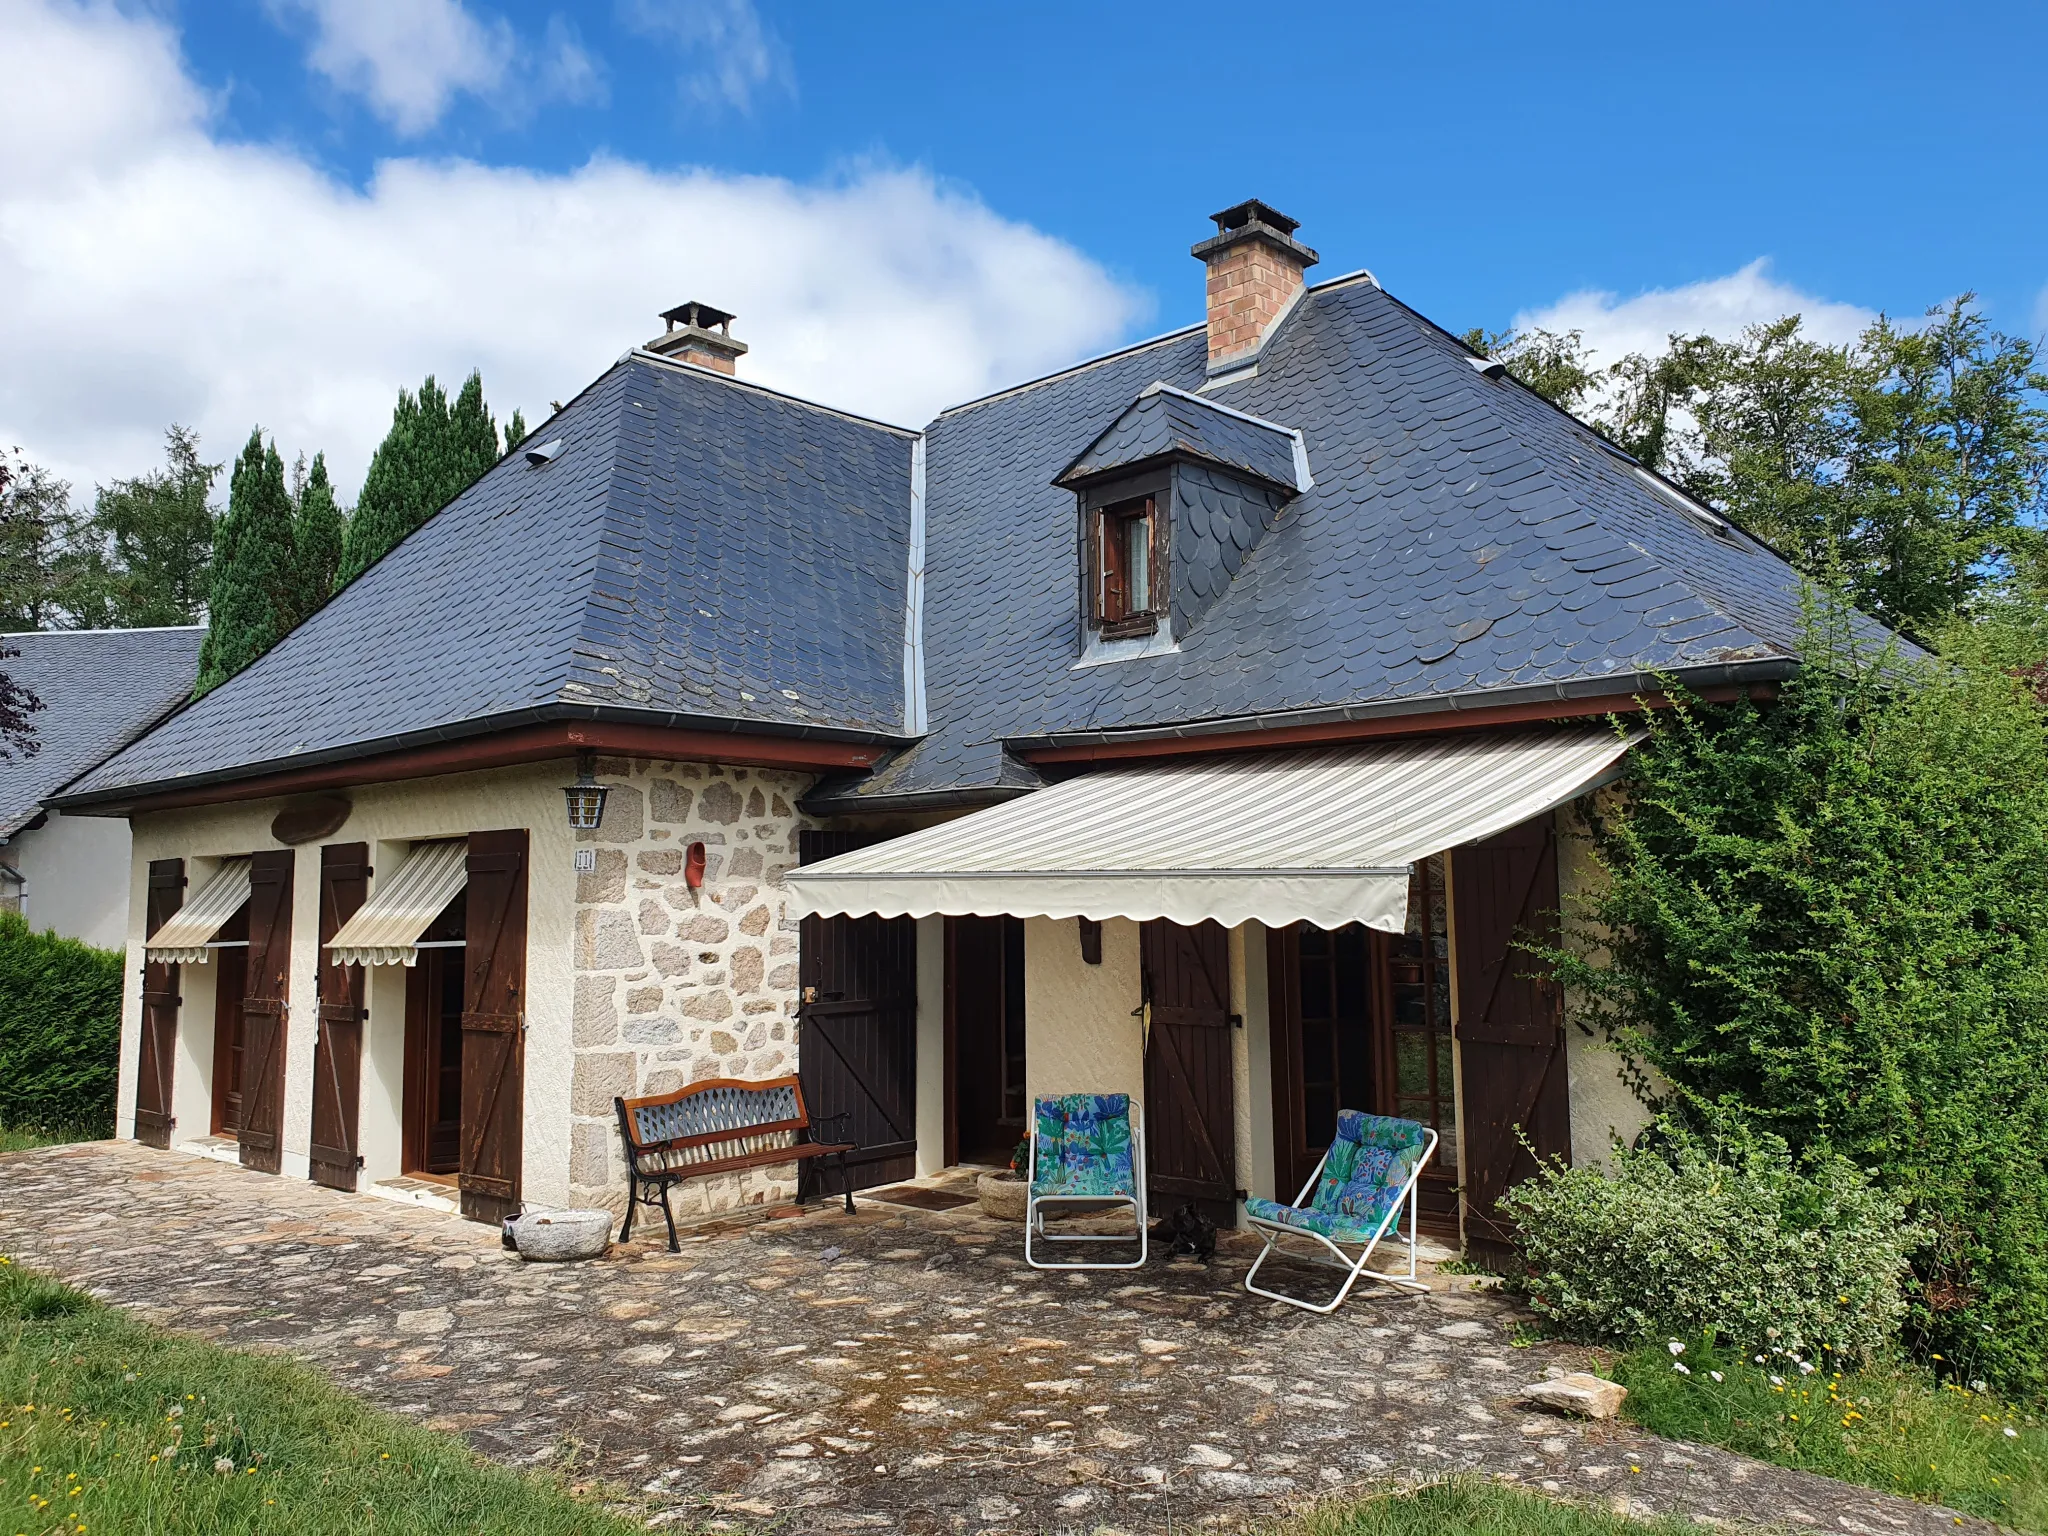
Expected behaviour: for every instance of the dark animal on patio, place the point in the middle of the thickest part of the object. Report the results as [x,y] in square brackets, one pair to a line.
[1186,1232]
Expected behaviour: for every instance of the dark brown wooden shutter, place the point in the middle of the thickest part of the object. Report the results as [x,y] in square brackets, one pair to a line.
[338,1052]
[494,1025]
[158,1050]
[1510,1024]
[857,1029]
[266,1009]
[1190,1112]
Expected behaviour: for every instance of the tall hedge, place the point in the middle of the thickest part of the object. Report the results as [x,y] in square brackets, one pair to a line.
[1829,918]
[60,1030]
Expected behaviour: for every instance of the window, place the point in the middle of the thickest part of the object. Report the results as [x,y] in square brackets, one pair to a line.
[1125,565]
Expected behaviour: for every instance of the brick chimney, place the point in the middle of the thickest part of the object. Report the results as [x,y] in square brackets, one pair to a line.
[1255,275]
[699,334]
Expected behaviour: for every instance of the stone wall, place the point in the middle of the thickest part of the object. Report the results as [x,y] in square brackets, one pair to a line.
[672,985]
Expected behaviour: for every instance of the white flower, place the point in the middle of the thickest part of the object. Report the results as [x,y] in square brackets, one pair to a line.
[1681,1367]
[223,1463]
[1806,1367]
[1675,1347]
[1777,1381]
[1759,1359]
[2011,1433]
[1978,1386]
[1717,1375]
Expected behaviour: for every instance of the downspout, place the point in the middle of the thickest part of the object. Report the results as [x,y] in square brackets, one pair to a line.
[913,615]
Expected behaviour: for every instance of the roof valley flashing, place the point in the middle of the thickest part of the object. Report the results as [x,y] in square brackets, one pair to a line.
[1370,529]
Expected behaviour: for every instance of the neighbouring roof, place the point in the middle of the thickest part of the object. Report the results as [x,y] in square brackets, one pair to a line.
[101,688]
[700,552]
[1464,543]
[1165,423]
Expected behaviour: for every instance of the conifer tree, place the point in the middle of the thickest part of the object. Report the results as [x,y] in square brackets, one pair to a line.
[434,451]
[250,606]
[515,430]
[318,529]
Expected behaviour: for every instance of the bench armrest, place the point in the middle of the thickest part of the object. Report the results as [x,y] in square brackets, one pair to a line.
[830,1126]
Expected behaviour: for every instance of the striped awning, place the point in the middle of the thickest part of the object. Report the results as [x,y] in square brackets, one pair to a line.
[182,939]
[1324,835]
[386,928]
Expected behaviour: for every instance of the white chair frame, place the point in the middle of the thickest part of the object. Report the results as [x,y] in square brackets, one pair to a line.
[1353,1269]
[1034,1220]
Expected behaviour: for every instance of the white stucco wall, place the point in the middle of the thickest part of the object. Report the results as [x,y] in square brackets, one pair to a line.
[77,873]
[388,817]
[1604,1107]
[1254,1062]
[931,1045]
[1079,1032]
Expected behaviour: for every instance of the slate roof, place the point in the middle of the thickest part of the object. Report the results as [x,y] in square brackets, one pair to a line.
[701,552]
[1163,423]
[700,546]
[100,688]
[1464,543]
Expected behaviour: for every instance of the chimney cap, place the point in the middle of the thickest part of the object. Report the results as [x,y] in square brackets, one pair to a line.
[1255,220]
[699,316]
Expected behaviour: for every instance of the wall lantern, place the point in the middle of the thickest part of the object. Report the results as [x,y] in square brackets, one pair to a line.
[586,796]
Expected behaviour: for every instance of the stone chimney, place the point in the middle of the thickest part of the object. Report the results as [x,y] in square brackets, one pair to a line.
[699,334]
[1255,275]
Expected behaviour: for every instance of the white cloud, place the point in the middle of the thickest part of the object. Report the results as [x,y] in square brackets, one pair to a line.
[155,274]
[729,53]
[407,58]
[1720,306]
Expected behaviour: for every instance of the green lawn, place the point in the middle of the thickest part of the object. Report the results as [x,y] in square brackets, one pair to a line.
[1471,1507]
[19,1138]
[108,1425]
[1886,1426]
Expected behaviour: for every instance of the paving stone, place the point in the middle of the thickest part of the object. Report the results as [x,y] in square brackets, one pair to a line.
[828,1373]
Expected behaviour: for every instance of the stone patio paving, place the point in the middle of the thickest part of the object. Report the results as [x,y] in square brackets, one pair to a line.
[895,1370]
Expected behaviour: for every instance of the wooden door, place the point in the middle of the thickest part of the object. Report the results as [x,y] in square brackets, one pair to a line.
[1510,1026]
[1328,1040]
[433,1064]
[265,1009]
[338,1051]
[857,1047]
[1190,1111]
[985,1107]
[158,1050]
[494,1025]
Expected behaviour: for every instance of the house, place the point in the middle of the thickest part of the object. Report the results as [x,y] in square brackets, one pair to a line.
[100,689]
[1203,721]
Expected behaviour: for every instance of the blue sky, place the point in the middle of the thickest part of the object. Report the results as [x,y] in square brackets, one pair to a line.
[981,192]
[1481,159]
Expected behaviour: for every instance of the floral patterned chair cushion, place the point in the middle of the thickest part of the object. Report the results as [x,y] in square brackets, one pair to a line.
[1369,1165]
[1084,1146]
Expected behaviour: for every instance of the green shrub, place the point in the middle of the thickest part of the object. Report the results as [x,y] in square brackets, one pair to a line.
[60,1030]
[1830,916]
[1679,1240]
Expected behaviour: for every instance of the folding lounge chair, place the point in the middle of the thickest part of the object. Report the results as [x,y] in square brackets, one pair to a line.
[1354,1197]
[1085,1150]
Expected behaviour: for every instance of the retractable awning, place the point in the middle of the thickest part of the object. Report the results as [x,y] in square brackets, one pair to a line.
[183,937]
[386,929]
[1324,835]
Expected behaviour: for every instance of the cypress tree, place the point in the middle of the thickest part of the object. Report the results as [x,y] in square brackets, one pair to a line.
[250,606]
[317,533]
[432,454]
[515,430]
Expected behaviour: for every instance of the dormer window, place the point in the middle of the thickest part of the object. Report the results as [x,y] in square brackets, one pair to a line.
[1126,567]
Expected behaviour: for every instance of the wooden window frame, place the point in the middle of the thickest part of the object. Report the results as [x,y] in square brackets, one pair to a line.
[1113,610]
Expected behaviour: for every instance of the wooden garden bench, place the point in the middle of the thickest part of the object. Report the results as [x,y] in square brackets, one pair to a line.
[717,1126]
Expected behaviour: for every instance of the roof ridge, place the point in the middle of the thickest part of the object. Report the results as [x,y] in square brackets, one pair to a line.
[116,629]
[641,354]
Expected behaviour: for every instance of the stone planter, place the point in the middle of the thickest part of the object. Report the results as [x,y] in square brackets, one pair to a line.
[1002,1195]
[550,1237]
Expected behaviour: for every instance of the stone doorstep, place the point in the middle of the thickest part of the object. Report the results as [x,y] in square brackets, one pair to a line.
[421,1192]
[221,1149]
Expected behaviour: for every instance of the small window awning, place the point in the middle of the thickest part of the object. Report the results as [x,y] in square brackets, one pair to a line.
[183,938]
[1324,836]
[386,929]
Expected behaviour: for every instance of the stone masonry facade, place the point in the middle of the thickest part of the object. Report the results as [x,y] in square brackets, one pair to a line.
[674,986]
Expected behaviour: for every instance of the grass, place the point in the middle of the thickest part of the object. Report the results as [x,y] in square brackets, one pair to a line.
[1886,1426]
[108,1425]
[1471,1507]
[20,1138]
